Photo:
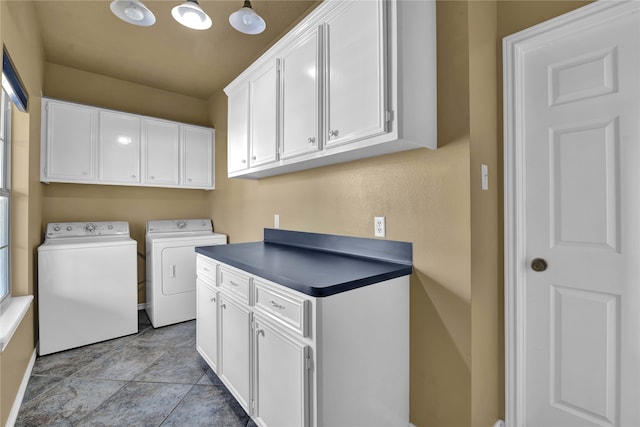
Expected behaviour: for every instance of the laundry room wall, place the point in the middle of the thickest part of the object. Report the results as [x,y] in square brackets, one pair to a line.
[137,205]
[18,33]
[430,198]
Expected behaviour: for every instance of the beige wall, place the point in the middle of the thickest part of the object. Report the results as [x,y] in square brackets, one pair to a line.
[425,197]
[21,38]
[137,205]
[430,198]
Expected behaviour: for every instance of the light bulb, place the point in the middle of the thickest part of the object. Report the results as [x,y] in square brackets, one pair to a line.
[247,18]
[133,12]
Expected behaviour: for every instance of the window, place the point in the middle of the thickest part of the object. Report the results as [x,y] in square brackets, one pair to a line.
[5,178]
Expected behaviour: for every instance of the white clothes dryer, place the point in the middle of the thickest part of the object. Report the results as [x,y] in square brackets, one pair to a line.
[87,284]
[171,267]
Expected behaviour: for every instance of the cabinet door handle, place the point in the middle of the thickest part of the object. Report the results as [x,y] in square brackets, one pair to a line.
[276,305]
[205,269]
[223,305]
[333,133]
[243,161]
[212,299]
[152,177]
[232,283]
[133,176]
[311,140]
[253,157]
[259,332]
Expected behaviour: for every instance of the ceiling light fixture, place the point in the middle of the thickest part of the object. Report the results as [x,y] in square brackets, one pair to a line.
[246,20]
[133,12]
[191,15]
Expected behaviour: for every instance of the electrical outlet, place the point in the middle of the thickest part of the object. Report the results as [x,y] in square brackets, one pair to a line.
[379,228]
[276,221]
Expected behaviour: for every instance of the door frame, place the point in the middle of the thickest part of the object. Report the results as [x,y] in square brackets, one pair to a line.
[515,48]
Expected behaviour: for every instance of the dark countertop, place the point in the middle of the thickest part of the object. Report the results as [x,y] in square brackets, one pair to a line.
[318,265]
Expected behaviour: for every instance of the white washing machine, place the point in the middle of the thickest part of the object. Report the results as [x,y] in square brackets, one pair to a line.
[171,267]
[87,284]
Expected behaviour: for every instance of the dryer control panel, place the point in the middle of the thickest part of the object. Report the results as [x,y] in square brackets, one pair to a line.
[179,226]
[58,230]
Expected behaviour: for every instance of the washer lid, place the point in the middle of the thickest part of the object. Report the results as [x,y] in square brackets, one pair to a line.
[65,230]
[179,226]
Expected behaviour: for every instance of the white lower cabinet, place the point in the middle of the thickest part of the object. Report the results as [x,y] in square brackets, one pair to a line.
[235,349]
[294,360]
[207,324]
[281,377]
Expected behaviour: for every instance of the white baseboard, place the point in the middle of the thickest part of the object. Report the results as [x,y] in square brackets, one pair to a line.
[13,414]
[142,306]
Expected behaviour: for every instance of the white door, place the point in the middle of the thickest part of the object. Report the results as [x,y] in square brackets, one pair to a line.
[198,157]
[263,116]
[178,270]
[161,143]
[299,94]
[280,377]
[235,346]
[119,147]
[572,219]
[238,129]
[207,324]
[356,96]
[70,142]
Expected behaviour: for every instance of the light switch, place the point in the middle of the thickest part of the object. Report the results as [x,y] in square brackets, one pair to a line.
[485,177]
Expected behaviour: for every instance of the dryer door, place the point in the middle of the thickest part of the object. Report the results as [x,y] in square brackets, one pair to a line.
[178,270]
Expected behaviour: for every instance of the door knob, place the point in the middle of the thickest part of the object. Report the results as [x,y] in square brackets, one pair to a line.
[538,265]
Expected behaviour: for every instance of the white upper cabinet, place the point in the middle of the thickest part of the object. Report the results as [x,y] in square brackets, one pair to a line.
[161,151]
[238,129]
[299,70]
[357,79]
[263,116]
[198,156]
[119,147]
[70,151]
[90,145]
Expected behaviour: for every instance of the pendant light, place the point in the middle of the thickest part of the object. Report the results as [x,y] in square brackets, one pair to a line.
[133,12]
[191,15]
[246,20]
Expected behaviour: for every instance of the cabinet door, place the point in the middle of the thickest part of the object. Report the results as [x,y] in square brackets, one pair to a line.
[198,157]
[235,347]
[299,73]
[207,324]
[119,147]
[356,95]
[161,151]
[70,140]
[263,116]
[238,129]
[280,378]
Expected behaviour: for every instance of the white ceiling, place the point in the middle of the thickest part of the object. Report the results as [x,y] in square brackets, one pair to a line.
[84,34]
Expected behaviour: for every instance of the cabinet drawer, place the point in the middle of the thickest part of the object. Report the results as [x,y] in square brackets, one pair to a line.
[206,269]
[235,282]
[287,309]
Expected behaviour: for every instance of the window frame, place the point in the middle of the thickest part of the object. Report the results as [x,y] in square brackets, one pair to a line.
[5,183]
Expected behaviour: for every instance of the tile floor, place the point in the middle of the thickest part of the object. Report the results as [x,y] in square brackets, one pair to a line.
[153,378]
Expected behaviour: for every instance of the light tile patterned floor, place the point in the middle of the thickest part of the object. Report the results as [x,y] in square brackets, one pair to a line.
[152,378]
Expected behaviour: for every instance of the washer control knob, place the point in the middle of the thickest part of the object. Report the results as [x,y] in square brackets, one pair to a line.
[69,228]
[90,228]
[110,227]
[56,228]
[181,224]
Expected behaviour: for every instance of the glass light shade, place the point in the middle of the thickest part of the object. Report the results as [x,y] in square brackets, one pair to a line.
[246,20]
[191,15]
[133,12]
